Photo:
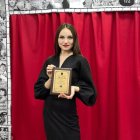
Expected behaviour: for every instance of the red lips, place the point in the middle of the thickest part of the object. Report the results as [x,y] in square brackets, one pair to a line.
[65,45]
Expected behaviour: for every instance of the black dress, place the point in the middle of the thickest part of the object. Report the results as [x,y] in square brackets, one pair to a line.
[60,115]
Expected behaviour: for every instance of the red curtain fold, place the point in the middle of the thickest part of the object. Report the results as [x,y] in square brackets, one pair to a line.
[110,42]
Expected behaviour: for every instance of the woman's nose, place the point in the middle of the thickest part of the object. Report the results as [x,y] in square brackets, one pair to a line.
[65,40]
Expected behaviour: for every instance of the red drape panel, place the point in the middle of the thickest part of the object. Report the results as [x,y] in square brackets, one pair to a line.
[110,42]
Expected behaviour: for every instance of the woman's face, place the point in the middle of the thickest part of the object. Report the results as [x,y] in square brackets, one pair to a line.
[2,68]
[88,3]
[2,93]
[12,2]
[65,40]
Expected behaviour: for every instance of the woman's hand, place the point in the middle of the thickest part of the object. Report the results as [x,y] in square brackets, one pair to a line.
[73,90]
[49,70]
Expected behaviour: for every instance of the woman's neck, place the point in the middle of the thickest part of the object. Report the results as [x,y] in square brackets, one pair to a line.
[64,53]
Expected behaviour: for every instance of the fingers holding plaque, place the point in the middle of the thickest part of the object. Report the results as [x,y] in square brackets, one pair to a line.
[61,81]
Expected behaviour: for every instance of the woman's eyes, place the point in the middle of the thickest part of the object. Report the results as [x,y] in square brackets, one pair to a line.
[61,37]
[69,37]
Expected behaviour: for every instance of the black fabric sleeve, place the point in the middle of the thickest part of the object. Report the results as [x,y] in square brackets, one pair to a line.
[40,92]
[87,93]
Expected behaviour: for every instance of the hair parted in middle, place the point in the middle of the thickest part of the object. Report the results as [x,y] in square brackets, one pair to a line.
[75,48]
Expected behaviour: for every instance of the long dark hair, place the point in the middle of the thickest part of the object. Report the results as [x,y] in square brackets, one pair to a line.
[65,4]
[75,48]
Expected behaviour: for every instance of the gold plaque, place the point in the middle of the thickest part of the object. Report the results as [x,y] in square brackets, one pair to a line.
[61,81]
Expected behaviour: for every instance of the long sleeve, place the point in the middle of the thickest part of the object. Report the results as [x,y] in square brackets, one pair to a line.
[87,93]
[40,92]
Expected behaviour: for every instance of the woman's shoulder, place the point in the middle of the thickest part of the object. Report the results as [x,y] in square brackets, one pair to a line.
[80,57]
[50,58]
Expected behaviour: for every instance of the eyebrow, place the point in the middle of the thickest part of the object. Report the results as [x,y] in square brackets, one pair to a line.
[64,36]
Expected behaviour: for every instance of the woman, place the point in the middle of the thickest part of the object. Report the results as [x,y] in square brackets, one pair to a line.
[88,3]
[3,95]
[60,115]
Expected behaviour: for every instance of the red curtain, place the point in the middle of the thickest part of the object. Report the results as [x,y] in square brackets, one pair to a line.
[110,42]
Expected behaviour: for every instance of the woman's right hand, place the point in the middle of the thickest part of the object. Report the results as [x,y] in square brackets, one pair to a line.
[49,70]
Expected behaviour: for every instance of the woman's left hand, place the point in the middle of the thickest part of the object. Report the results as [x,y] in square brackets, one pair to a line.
[73,90]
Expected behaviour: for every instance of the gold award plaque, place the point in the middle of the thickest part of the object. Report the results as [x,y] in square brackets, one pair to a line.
[61,81]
